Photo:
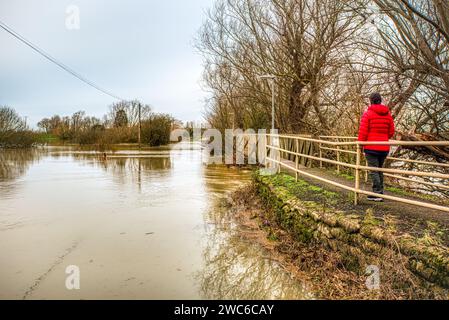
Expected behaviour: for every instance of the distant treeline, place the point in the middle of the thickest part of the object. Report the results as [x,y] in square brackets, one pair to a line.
[120,125]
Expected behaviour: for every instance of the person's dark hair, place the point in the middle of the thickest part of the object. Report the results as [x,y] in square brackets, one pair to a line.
[375,98]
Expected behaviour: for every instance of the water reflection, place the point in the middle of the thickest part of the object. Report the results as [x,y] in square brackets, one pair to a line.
[121,165]
[137,171]
[126,166]
[155,216]
[15,163]
[219,179]
[132,170]
[234,268]
[121,162]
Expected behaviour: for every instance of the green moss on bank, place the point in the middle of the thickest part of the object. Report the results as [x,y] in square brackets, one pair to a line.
[306,212]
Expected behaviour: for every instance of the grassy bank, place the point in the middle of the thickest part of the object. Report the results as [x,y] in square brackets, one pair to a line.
[301,226]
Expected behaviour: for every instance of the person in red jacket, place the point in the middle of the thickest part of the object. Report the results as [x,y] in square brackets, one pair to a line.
[377,125]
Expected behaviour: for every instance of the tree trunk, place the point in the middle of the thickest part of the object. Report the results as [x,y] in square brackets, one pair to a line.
[297,110]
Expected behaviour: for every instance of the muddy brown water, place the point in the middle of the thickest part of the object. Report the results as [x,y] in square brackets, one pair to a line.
[145,225]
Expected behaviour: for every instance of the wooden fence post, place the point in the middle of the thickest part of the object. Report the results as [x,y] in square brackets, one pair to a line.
[366,172]
[311,154]
[338,159]
[267,143]
[321,155]
[280,154]
[357,176]
[297,159]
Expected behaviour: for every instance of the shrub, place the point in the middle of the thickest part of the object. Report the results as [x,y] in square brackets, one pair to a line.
[18,139]
[90,136]
[156,131]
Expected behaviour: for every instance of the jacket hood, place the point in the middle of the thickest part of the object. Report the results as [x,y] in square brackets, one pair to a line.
[380,109]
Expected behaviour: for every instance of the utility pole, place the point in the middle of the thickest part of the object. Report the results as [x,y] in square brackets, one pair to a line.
[271,79]
[140,126]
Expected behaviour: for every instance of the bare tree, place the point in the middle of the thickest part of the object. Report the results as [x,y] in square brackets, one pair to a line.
[10,120]
[305,44]
[328,56]
[410,56]
[131,109]
[13,130]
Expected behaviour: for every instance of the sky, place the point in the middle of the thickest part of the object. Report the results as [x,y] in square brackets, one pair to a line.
[136,49]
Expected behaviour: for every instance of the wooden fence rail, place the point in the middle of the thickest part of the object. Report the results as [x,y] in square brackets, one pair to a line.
[325,144]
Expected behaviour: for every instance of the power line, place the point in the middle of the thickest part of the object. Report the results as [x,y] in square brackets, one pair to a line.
[55,61]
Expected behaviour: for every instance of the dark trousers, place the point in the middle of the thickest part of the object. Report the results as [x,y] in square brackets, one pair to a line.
[376,159]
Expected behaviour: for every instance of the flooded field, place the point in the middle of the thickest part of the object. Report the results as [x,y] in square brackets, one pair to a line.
[139,225]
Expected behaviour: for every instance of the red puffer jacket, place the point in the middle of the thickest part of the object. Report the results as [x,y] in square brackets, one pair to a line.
[377,125]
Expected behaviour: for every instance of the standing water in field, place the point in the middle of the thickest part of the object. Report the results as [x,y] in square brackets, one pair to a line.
[139,225]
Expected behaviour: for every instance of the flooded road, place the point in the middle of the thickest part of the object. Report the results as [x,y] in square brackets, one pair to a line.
[143,225]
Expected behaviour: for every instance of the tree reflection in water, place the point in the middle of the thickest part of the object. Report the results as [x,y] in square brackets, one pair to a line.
[136,170]
[15,163]
[125,167]
[237,269]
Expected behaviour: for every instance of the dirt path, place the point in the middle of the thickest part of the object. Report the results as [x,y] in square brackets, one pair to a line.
[410,218]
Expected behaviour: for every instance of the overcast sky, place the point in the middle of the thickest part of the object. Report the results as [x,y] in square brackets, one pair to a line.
[135,48]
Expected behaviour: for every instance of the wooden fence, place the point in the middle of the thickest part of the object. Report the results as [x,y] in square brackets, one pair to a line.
[299,150]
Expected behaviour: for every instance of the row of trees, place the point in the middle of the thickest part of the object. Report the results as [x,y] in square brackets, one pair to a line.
[69,127]
[327,57]
[123,124]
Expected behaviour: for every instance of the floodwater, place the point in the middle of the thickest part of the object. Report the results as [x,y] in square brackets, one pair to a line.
[145,225]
